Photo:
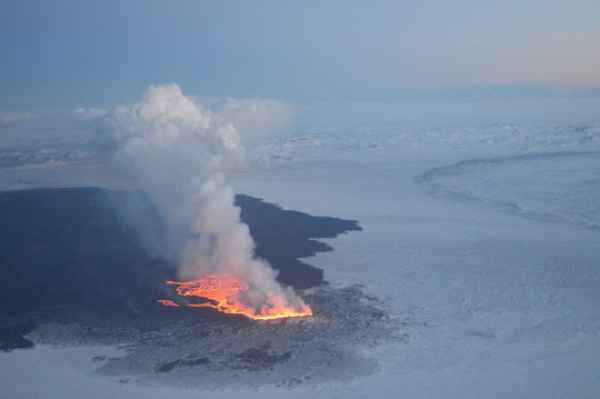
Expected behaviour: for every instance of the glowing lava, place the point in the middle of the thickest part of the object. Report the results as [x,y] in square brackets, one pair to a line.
[168,302]
[226,292]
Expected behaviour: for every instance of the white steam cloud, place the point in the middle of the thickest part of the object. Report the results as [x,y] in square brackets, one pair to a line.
[180,152]
[260,117]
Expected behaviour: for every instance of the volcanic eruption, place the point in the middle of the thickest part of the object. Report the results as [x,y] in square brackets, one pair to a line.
[180,153]
[227,293]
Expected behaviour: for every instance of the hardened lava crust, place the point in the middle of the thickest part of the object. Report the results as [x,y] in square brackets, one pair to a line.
[204,348]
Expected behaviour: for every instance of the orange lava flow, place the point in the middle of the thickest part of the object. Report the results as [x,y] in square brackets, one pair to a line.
[224,293]
[168,302]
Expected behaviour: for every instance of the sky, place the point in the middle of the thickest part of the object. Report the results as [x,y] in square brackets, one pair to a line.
[61,54]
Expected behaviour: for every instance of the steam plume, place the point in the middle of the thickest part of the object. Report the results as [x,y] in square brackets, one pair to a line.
[181,153]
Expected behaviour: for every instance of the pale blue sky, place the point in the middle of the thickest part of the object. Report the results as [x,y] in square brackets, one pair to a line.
[80,53]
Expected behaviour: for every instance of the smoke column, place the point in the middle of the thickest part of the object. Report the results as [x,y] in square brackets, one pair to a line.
[180,153]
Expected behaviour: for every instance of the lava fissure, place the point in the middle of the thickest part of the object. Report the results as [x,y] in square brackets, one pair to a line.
[226,292]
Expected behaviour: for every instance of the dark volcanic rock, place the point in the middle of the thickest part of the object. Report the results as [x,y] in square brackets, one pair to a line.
[189,362]
[68,246]
[11,337]
[260,358]
[282,236]
[72,246]
[84,276]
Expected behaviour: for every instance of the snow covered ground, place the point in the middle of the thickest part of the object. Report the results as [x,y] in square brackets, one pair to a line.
[480,238]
